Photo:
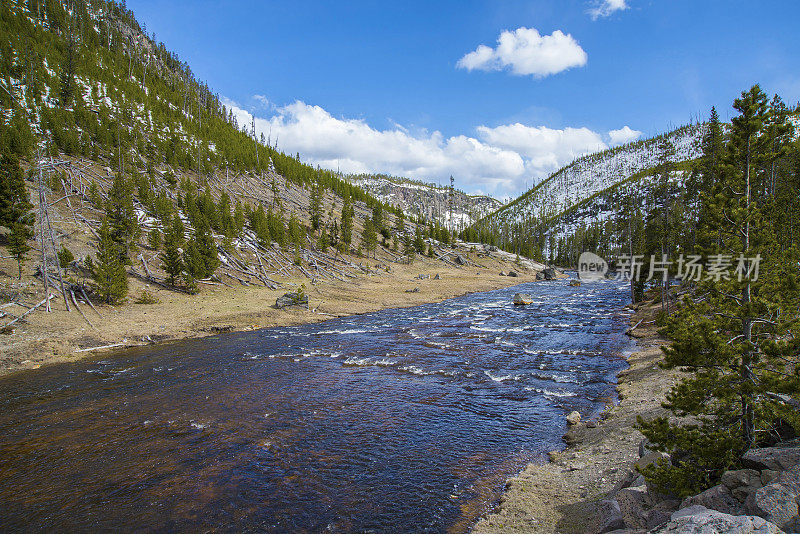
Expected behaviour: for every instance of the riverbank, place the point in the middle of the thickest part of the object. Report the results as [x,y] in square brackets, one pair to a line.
[59,336]
[561,496]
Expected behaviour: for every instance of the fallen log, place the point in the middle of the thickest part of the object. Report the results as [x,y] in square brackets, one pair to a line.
[75,301]
[89,302]
[111,346]
[29,311]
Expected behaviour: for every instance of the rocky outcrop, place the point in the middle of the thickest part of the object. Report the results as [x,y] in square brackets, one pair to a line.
[763,498]
[774,458]
[608,516]
[716,498]
[777,504]
[548,273]
[292,299]
[699,520]
[429,200]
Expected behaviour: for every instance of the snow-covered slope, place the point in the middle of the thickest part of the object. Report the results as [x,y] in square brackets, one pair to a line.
[428,200]
[591,174]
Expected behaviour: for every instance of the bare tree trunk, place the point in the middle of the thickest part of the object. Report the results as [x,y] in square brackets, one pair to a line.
[746,371]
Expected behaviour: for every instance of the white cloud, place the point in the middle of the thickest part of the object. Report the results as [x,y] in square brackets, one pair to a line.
[544,149]
[353,147]
[604,8]
[263,102]
[623,135]
[498,161]
[526,52]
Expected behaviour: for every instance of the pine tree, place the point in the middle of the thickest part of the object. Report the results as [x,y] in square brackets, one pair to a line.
[65,257]
[659,216]
[238,219]
[377,217]
[323,241]
[347,224]
[408,247]
[68,73]
[737,340]
[316,206]
[334,234]
[121,217]
[18,243]
[710,172]
[277,230]
[276,194]
[14,202]
[419,241]
[171,260]
[154,238]
[15,207]
[108,270]
[369,237]
[400,224]
[200,256]
[295,231]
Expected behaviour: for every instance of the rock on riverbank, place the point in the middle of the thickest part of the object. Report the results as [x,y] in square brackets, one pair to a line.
[760,500]
[593,486]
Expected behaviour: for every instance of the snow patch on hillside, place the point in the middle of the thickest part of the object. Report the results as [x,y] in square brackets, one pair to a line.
[591,174]
[428,200]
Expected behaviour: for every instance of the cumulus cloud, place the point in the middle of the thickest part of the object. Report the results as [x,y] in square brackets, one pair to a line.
[604,8]
[544,149]
[497,161]
[525,52]
[353,146]
[623,135]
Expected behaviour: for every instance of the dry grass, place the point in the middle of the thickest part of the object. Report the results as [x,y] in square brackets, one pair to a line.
[50,337]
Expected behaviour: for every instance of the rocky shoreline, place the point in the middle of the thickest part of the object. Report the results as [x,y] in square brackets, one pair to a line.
[592,486]
[562,495]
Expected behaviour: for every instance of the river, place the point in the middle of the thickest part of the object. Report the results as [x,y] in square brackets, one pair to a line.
[403,420]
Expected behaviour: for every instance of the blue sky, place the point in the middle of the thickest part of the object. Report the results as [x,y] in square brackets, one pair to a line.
[426,90]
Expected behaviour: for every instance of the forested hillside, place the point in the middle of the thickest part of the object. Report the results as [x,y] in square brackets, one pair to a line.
[703,220]
[596,202]
[104,126]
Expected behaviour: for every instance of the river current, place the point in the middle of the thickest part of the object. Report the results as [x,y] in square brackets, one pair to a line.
[403,420]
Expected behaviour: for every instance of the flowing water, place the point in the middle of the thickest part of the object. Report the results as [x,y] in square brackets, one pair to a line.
[404,420]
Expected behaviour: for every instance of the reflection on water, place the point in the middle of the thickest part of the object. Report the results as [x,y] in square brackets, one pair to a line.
[400,420]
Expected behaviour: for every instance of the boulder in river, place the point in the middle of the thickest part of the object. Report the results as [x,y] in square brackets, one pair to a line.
[292,299]
[574,418]
[549,273]
[521,299]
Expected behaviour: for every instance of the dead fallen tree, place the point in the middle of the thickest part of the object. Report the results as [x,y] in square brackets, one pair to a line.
[34,308]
